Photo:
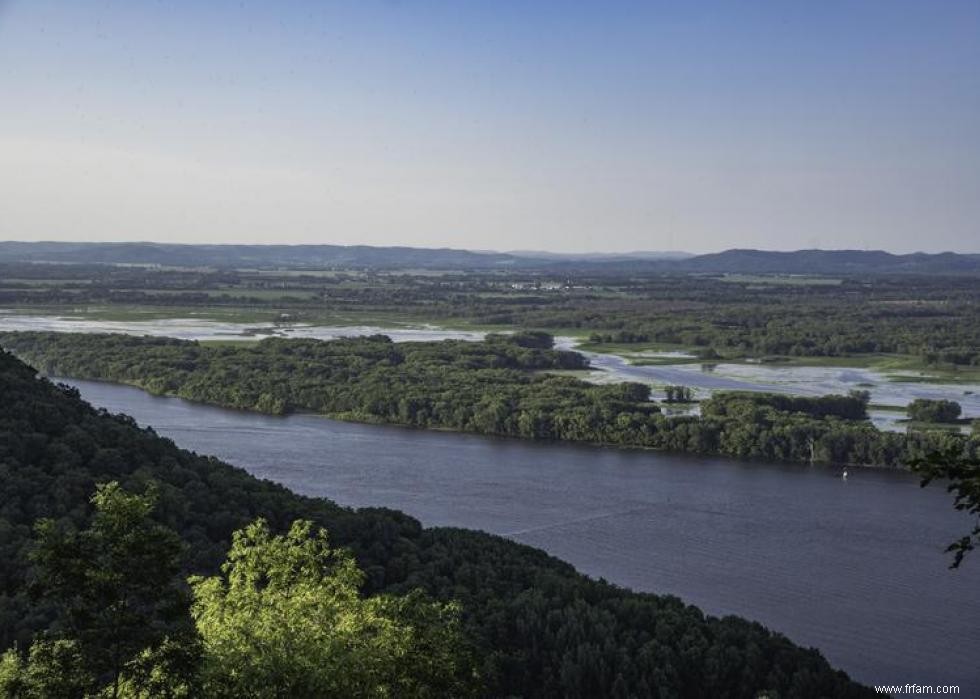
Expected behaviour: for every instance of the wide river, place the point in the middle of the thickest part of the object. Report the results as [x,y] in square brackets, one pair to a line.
[854,568]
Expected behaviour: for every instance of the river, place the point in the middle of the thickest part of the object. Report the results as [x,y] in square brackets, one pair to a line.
[854,568]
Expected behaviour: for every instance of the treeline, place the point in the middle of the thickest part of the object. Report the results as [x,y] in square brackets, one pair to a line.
[618,337]
[853,406]
[537,627]
[926,410]
[494,387]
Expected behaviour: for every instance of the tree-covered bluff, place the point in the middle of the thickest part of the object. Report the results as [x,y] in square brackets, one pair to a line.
[284,618]
[497,387]
[539,628]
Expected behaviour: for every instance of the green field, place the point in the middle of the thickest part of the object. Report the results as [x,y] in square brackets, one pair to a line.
[780,279]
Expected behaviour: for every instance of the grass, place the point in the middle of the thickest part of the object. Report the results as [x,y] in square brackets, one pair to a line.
[245,314]
[781,279]
[887,408]
[668,361]
[231,343]
[943,426]
[240,293]
[118,312]
[852,361]
[229,314]
[323,273]
[896,367]
[888,364]
[948,376]
[625,348]
[899,368]
[573,373]
[48,283]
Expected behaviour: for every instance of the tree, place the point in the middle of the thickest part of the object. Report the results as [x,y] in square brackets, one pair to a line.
[166,671]
[529,614]
[11,674]
[114,585]
[963,476]
[925,410]
[678,394]
[53,670]
[56,670]
[285,619]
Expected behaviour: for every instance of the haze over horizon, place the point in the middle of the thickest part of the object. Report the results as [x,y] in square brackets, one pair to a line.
[521,252]
[593,127]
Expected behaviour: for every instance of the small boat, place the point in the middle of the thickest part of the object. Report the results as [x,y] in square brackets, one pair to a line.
[844,475]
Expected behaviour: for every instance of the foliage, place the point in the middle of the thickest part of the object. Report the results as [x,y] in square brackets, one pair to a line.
[285,618]
[113,584]
[169,669]
[963,481]
[11,674]
[619,337]
[934,319]
[538,627]
[678,394]
[849,407]
[926,410]
[493,387]
[54,669]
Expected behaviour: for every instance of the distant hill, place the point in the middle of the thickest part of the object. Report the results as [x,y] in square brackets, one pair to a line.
[831,262]
[824,262]
[262,256]
[601,256]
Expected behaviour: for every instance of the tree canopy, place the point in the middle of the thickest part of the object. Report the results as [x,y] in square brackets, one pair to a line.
[927,410]
[114,584]
[284,618]
[538,628]
[498,387]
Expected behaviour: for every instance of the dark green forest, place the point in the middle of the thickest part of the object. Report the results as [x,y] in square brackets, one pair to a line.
[537,627]
[497,387]
[925,410]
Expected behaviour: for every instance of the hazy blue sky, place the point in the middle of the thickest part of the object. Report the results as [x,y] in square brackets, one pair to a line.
[499,125]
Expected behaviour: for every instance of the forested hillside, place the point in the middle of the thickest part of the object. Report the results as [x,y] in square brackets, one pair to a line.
[495,387]
[540,628]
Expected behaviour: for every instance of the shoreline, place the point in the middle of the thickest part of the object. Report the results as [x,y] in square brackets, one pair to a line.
[340,417]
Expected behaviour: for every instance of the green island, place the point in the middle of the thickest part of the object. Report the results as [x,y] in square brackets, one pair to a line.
[456,612]
[501,386]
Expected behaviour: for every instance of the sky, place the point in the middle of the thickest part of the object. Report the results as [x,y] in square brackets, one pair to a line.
[603,126]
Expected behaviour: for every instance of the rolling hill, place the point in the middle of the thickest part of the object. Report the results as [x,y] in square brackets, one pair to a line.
[736,261]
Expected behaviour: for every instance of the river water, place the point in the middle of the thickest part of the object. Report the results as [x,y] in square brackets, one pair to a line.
[795,380]
[854,568]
